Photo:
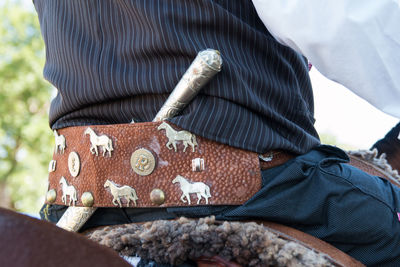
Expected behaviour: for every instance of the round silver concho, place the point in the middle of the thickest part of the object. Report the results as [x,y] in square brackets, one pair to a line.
[74,164]
[143,162]
[157,196]
[87,199]
[51,196]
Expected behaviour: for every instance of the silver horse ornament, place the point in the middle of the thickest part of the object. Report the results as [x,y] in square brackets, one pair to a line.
[198,188]
[102,141]
[173,136]
[60,142]
[68,190]
[117,192]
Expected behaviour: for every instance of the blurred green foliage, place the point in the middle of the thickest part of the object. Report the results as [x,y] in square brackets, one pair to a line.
[25,137]
[329,139]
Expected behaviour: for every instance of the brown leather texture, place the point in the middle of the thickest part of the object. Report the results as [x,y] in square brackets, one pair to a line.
[233,175]
[277,157]
[215,261]
[26,241]
[338,256]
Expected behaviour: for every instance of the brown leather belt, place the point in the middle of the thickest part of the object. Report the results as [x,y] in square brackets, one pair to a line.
[137,165]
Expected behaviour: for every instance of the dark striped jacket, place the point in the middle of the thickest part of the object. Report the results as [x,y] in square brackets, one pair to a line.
[117,60]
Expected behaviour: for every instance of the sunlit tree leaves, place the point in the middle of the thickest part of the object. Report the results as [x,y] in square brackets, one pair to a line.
[25,137]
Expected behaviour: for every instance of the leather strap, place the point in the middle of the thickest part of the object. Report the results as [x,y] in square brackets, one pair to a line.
[215,261]
[275,158]
[340,258]
[220,174]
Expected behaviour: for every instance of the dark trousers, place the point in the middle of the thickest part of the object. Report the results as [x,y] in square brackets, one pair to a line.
[316,193]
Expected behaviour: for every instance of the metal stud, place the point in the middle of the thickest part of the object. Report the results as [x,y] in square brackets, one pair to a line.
[51,196]
[74,164]
[173,136]
[87,199]
[266,157]
[197,165]
[143,162]
[157,196]
[52,165]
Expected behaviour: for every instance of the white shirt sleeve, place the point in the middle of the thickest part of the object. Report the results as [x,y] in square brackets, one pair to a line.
[353,42]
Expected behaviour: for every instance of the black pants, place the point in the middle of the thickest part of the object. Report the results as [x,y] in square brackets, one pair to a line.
[316,193]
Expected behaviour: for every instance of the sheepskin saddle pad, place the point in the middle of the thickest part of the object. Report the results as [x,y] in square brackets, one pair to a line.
[176,241]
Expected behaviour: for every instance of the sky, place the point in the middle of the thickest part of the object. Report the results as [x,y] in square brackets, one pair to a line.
[343,114]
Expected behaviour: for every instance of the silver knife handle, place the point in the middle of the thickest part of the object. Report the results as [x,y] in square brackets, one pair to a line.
[75,217]
[207,63]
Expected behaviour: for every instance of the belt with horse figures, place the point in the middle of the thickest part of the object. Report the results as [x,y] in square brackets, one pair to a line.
[152,164]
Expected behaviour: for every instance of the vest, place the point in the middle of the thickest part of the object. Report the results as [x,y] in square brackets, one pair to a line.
[117,61]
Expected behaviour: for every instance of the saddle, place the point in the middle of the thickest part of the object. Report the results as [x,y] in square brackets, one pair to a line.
[47,245]
[209,242]
[26,241]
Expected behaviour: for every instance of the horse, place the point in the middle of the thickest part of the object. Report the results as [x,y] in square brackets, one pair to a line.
[103,141]
[390,147]
[173,136]
[119,192]
[68,190]
[60,142]
[199,188]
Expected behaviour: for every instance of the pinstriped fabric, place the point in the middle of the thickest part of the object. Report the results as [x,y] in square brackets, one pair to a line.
[117,60]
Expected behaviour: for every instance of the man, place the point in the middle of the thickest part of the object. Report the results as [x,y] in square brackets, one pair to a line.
[116,61]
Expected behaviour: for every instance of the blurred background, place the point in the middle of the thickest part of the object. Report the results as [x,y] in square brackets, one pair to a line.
[25,138]
[26,141]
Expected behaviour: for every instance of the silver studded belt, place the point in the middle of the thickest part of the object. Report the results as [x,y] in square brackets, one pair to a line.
[151,164]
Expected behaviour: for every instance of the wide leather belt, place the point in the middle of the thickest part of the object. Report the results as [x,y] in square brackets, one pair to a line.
[151,164]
